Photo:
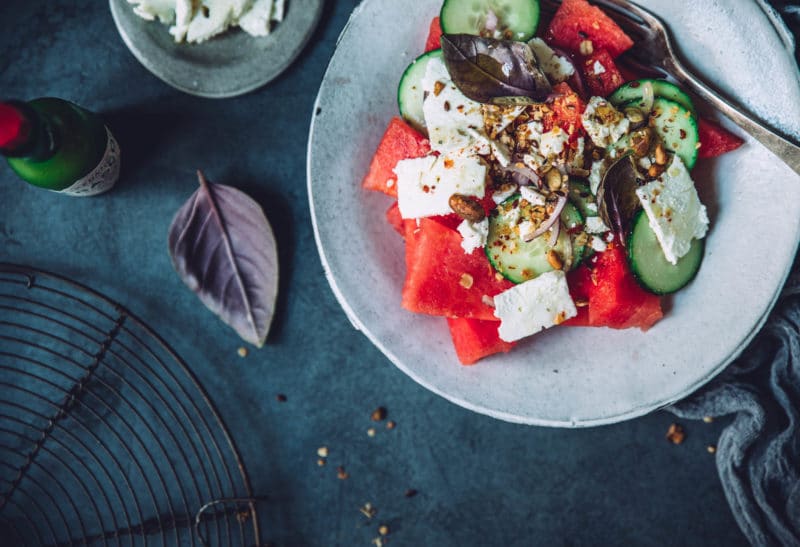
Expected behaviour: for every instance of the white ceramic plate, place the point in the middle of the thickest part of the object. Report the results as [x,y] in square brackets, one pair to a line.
[570,377]
[228,65]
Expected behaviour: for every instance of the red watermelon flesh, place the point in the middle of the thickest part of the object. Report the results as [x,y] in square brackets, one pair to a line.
[441,279]
[434,35]
[566,110]
[395,220]
[714,140]
[601,74]
[580,285]
[475,339]
[399,142]
[577,20]
[616,300]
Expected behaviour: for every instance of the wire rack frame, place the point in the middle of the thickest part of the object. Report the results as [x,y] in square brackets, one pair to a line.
[106,437]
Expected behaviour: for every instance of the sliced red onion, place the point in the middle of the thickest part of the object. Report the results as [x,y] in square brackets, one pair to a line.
[522,175]
[551,220]
[648,97]
[554,233]
[491,22]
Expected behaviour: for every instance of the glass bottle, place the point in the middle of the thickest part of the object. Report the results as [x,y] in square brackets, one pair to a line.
[57,145]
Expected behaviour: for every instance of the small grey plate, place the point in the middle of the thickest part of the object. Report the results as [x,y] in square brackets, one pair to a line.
[228,65]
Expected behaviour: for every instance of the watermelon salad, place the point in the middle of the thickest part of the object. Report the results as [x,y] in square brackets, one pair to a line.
[535,180]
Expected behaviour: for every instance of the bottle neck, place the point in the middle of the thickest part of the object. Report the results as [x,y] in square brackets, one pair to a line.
[25,133]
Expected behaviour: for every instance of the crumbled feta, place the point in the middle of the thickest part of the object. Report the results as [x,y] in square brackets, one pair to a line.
[532,196]
[257,21]
[578,158]
[551,144]
[598,244]
[454,122]
[595,225]
[534,305]
[596,175]
[591,207]
[473,234]
[598,68]
[183,16]
[424,185]
[501,195]
[645,162]
[557,68]
[674,210]
[526,228]
[163,10]
[533,161]
[604,124]
[497,118]
[501,153]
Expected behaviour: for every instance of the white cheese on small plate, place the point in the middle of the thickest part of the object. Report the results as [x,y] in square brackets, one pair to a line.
[257,21]
[604,124]
[674,210]
[424,185]
[534,305]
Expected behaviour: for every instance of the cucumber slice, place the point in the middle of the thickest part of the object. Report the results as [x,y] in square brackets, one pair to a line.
[410,93]
[581,196]
[518,260]
[675,125]
[572,220]
[632,91]
[649,265]
[519,17]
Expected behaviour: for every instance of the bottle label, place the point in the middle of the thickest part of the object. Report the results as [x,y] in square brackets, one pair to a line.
[101,178]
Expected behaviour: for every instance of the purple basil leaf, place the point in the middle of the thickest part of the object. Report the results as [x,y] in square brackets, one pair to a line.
[494,71]
[223,248]
[616,196]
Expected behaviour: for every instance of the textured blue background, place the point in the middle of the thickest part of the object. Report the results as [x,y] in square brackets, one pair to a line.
[480,481]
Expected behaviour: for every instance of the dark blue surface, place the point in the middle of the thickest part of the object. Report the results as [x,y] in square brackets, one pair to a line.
[480,481]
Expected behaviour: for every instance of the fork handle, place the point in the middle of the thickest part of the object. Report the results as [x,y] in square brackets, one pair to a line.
[787,151]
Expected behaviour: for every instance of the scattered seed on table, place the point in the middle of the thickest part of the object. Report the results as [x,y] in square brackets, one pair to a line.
[321,462]
[281,398]
[708,419]
[379,414]
[322,451]
[675,434]
[371,431]
[368,510]
[383,530]
[390,425]
[242,351]
[341,473]
[711,449]
[410,493]
[378,542]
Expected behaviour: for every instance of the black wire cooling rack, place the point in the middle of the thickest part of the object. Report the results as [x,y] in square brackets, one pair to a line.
[106,437]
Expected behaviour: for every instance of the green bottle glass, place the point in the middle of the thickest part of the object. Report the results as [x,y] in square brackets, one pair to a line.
[57,145]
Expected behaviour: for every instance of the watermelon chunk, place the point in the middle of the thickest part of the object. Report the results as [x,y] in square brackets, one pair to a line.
[576,21]
[601,74]
[434,35]
[714,140]
[399,142]
[441,279]
[566,110]
[475,339]
[580,285]
[616,300]
[395,220]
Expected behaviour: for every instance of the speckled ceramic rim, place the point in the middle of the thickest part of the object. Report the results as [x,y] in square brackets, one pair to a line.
[635,412]
[267,56]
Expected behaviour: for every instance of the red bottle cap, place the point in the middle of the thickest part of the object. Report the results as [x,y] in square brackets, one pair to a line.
[15,128]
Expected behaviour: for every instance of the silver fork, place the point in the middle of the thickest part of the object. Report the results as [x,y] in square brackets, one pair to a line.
[654,49]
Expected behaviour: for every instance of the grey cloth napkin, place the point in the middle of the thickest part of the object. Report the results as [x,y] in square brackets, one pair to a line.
[758,454]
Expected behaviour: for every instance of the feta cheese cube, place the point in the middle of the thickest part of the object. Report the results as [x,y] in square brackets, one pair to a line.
[557,68]
[501,195]
[674,210]
[604,124]
[454,122]
[534,305]
[424,185]
[473,234]
[596,175]
[532,196]
[551,144]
